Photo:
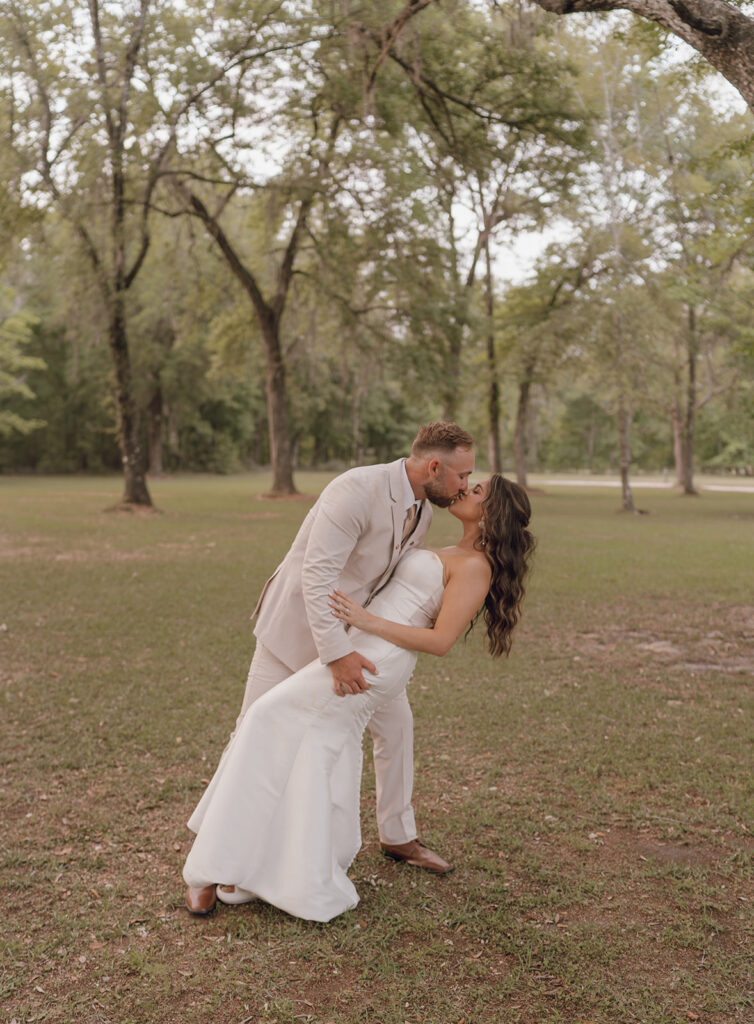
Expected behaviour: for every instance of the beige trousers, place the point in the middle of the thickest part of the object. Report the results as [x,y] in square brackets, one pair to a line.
[392,729]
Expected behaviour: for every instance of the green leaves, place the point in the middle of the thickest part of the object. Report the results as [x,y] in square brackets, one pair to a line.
[16,326]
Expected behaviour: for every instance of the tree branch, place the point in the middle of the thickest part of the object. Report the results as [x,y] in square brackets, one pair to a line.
[389,35]
[719,31]
[44,153]
[286,266]
[101,67]
[244,275]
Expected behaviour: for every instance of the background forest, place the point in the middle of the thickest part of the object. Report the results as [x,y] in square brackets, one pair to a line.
[287,232]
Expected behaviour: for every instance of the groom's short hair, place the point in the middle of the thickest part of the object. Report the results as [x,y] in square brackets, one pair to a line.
[442,436]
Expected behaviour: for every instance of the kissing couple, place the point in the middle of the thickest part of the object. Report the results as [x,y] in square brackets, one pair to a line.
[279,821]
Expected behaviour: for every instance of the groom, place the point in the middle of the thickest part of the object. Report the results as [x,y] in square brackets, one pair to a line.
[353,537]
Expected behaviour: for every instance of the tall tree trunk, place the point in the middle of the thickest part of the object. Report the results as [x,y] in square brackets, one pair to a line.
[689,419]
[493,442]
[135,490]
[624,422]
[155,411]
[519,433]
[532,436]
[281,451]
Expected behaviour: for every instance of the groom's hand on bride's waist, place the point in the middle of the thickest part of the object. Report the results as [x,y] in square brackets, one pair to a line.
[347,673]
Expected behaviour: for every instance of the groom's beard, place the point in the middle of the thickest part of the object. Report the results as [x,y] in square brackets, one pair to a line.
[437,495]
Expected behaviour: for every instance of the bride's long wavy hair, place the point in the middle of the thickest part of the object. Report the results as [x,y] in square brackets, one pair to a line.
[508,545]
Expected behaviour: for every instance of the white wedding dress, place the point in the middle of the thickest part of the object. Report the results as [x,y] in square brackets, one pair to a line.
[280,817]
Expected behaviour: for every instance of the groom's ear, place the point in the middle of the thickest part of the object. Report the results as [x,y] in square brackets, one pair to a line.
[433,466]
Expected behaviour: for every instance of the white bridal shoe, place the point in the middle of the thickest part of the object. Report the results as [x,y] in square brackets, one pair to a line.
[235,896]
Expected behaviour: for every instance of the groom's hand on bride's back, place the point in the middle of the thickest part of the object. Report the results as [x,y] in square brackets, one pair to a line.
[347,673]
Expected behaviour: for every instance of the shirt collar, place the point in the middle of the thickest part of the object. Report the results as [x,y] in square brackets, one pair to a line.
[408,492]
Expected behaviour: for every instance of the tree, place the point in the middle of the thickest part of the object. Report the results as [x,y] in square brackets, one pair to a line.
[500,136]
[536,327]
[269,308]
[93,103]
[708,205]
[75,121]
[669,211]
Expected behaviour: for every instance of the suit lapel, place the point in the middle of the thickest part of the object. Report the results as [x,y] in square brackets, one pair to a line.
[399,515]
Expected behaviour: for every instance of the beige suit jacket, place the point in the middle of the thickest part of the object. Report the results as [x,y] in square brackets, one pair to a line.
[351,539]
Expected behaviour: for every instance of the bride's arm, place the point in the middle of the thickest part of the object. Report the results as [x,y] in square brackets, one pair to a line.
[465,591]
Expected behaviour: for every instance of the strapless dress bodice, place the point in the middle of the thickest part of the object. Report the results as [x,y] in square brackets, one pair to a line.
[413,594]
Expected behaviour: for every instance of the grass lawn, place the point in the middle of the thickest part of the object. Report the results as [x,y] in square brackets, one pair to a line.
[594,790]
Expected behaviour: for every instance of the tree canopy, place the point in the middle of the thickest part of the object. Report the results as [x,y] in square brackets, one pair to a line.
[278,235]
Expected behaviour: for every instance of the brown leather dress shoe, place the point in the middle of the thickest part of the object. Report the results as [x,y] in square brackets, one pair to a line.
[202,900]
[417,854]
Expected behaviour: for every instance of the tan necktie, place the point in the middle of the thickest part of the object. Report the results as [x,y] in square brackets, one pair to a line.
[408,526]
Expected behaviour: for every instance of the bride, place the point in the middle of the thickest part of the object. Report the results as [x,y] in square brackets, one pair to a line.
[280,819]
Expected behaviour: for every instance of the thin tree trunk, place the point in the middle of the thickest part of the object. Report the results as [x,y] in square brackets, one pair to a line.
[532,438]
[624,431]
[624,423]
[155,411]
[494,454]
[591,441]
[357,455]
[519,433]
[689,420]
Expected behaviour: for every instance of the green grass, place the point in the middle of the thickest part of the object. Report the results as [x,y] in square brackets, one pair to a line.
[594,790]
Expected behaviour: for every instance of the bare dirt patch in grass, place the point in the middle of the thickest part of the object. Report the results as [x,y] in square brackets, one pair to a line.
[683,643]
[645,848]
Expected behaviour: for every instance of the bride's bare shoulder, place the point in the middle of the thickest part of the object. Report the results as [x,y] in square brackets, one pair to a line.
[465,562]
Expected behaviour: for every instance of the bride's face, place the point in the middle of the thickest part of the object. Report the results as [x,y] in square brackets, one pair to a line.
[468,508]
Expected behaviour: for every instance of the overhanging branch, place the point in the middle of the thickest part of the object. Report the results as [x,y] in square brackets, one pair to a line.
[722,33]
